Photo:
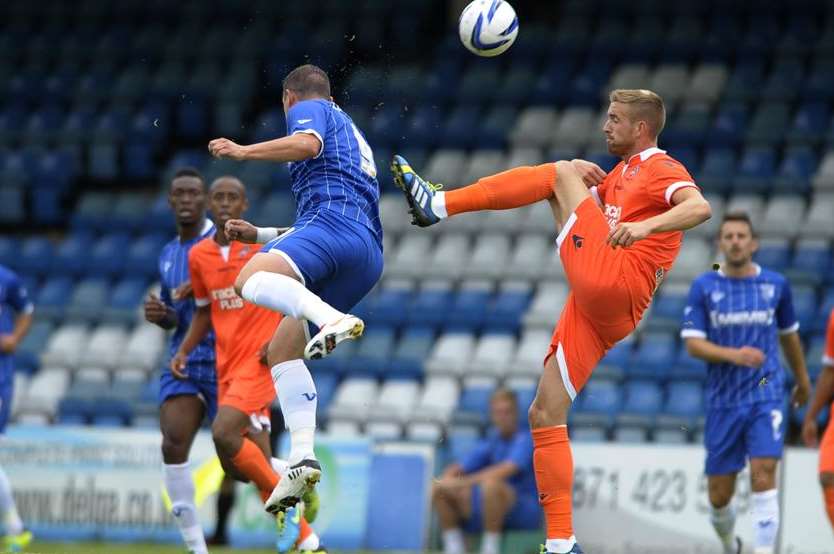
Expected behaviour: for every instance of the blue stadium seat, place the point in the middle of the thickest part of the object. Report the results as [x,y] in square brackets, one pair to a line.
[35,256]
[54,170]
[9,251]
[478,84]
[755,171]
[795,172]
[616,359]
[811,262]
[492,133]
[516,85]
[774,255]
[411,351]
[387,306]
[386,125]
[12,204]
[192,118]
[689,127]
[643,401]
[107,257]
[654,356]
[460,125]
[373,354]
[75,411]
[746,80]
[460,444]
[27,355]
[429,307]
[87,299]
[54,297]
[666,312]
[585,87]
[43,125]
[111,412]
[820,322]
[326,384]
[468,310]
[278,210]
[125,300]
[809,124]
[142,256]
[805,304]
[684,403]
[819,83]
[424,126]
[600,402]
[508,307]
[473,406]
[688,368]
[338,362]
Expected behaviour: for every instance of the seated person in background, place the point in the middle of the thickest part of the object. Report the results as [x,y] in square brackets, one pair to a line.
[493,486]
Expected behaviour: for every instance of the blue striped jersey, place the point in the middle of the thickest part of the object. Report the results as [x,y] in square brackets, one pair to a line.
[342,177]
[173,271]
[736,312]
[14,300]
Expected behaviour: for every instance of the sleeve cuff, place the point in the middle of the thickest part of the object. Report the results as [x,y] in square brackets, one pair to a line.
[674,187]
[315,134]
[693,334]
[202,302]
[788,330]
[595,194]
[828,360]
[28,309]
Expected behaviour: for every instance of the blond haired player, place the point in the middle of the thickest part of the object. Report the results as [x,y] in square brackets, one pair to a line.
[620,234]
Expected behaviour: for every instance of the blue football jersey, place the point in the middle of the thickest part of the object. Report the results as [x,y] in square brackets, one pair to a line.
[14,300]
[735,312]
[342,177]
[173,271]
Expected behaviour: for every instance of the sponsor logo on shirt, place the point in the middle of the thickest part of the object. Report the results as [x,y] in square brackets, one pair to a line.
[227,298]
[743,317]
[613,214]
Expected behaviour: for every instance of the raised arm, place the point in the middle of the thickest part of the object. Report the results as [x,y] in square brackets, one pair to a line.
[689,208]
[294,148]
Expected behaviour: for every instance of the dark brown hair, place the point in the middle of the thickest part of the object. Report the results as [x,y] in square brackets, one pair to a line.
[738,216]
[308,81]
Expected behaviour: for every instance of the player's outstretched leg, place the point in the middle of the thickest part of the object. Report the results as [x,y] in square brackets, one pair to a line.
[269,281]
[509,189]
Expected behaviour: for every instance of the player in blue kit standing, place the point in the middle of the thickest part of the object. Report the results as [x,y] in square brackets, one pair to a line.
[322,266]
[735,319]
[185,397]
[15,320]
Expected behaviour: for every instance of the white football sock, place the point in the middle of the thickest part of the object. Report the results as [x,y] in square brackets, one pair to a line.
[491,543]
[299,400]
[765,520]
[453,541]
[312,542]
[438,204]
[724,521]
[279,466]
[286,295]
[180,487]
[560,546]
[11,521]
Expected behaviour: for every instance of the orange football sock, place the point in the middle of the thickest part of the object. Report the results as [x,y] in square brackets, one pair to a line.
[828,492]
[503,191]
[553,464]
[304,531]
[251,462]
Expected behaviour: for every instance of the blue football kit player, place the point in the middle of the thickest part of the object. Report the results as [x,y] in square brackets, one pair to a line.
[15,320]
[186,396]
[320,267]
[735,319]
[491,487]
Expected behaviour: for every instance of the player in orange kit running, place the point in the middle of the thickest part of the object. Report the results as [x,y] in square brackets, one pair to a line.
[245,390]
[617,242]
[824,392]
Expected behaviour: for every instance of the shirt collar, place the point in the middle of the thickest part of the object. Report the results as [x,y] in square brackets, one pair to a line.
[646,154]
[757,266]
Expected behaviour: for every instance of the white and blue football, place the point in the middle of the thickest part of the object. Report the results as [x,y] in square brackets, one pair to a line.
[488,27]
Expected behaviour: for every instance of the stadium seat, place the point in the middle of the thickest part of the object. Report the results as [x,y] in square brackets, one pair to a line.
[670,82]
[717,169]
[643,401]
[774,254]
[45,390]
[473,406]
[410,258]
[546,304]
[533,127]
[811,261]
[706,83]
[654,356]
[684,403]
[487,250]
[694,258]
[87,299]
[574,129]
[450,354]
[437,400]
[599,402]
[817,221]
[508,308]
[794,173]
[492,355]
[353,399]
[783,217]
[446,166]
[588,433]
[469,306]
[448,257]
[756,170]
[372,354]
[667,308]
[429,305]
[397,399]
[526,261]
[410,354]
[671,436]
[482,163]
[631,434]
[27,355]
[104,347]
[145,346]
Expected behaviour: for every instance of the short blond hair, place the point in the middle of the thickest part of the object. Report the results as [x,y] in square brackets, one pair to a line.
[645,106]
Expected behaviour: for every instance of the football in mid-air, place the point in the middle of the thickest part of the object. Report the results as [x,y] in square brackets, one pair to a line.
[488,27]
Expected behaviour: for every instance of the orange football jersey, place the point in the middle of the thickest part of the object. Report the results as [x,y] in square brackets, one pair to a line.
[241,328]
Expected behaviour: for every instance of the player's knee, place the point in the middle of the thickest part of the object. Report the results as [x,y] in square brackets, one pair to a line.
[223,436]
[827,479]
[720,494]
[547,414]
[174,451]
[494,489]
[763,477]
[240,281]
